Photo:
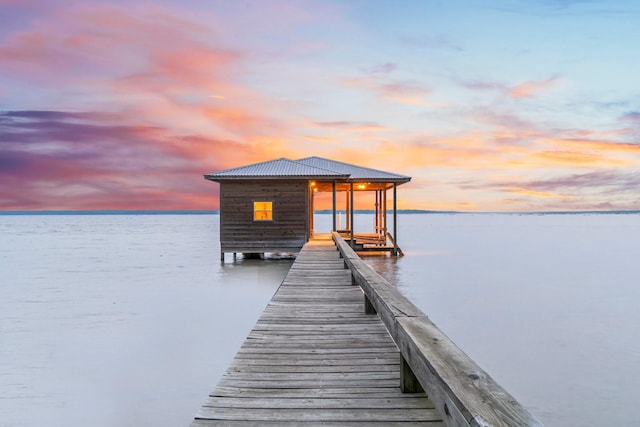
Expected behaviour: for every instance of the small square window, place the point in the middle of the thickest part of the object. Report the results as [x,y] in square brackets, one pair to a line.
[263,211]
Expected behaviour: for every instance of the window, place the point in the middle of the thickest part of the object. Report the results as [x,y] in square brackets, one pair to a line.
[263,211]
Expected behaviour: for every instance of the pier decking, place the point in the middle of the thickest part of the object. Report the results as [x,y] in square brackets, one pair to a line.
[339,345]
[315,357]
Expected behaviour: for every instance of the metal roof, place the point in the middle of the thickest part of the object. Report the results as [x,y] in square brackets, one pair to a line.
[273,169]
[307,168]
[356,173]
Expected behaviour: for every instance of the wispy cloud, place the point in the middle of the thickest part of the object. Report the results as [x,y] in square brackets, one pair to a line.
[400,91]
[353,126]
[526,89]
[530,89]
[384,68]
[63,159]
[431,41]
[632,116]
[534,193]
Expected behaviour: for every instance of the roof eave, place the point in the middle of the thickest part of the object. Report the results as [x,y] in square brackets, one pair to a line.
[274,177]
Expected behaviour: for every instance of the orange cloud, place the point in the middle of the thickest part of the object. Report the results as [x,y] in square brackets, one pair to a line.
[600,145]
[320,138]
[527,192]
[570,158]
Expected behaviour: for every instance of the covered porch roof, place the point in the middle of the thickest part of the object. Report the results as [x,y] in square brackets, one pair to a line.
[324,171]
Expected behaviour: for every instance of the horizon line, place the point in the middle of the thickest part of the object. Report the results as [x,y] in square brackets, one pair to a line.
[319,211]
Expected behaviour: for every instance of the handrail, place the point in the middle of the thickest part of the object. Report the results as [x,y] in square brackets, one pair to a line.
[462,392]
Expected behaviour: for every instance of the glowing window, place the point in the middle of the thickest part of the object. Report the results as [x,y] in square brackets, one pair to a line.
[263,211]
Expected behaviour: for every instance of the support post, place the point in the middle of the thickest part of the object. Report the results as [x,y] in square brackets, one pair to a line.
[408,381]
[351,212]
[222,257]
[368,307]
[384,213]
[311,210]
[395,219]
[347,215]
[380,223]
[333,189]
[377,222]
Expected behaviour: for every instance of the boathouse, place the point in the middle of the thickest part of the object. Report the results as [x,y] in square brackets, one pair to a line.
[269,206]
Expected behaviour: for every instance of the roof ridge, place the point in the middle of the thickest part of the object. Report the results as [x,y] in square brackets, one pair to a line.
[281,167]
[351,165]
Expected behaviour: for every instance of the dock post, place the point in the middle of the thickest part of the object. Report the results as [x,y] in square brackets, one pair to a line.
[408,381]
[222,257]
[368,307]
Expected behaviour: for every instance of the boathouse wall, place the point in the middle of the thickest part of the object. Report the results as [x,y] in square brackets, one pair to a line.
[286,231]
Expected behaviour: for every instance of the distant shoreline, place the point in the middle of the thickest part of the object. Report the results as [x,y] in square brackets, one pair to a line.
[325,211]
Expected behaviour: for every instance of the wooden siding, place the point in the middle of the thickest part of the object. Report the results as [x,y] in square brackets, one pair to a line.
[287,232]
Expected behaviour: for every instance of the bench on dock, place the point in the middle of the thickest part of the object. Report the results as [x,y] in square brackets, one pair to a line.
[463,393]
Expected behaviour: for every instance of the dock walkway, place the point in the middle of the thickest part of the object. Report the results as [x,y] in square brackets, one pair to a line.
[315,357]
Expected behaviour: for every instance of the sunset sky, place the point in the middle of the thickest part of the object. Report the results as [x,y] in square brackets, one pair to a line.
[488,105]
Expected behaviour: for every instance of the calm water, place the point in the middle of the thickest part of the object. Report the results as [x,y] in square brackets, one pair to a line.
[131,320]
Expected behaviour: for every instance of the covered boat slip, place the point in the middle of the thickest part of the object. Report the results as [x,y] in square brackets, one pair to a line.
[269,206]
[315,358]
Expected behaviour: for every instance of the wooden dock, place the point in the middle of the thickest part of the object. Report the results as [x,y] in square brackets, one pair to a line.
[339,345]
[315,357]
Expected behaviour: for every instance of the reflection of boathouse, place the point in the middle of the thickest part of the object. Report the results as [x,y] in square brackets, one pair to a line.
[268,206]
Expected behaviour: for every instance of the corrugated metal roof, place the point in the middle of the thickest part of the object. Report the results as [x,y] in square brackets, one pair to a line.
[355,172]
[278,168]
[307,168]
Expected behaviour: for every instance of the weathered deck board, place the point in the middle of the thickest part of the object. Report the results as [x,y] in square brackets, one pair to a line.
[315,358]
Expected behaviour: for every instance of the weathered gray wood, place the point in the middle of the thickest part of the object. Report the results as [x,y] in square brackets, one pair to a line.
[314,402]
[314,357]
[463,393]
[320,414]
[238,367]
[282,423]
[324,392]
[286,233]
[408,381]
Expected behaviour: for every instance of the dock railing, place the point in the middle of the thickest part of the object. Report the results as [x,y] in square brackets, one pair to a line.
[463,393]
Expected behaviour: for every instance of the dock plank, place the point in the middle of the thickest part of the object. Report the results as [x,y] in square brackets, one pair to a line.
[315,358]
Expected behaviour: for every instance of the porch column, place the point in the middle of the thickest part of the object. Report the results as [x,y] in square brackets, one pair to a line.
[384,212]
[311,211]
[395,220]
[351,211]
[347,216]
[333,188]
[377,219]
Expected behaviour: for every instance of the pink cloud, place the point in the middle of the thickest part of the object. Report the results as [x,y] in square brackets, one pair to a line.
[403,92]
[530,89]
[96,41]
[527,89]
[63,160]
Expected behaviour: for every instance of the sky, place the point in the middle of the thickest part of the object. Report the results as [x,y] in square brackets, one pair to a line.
[500,105]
